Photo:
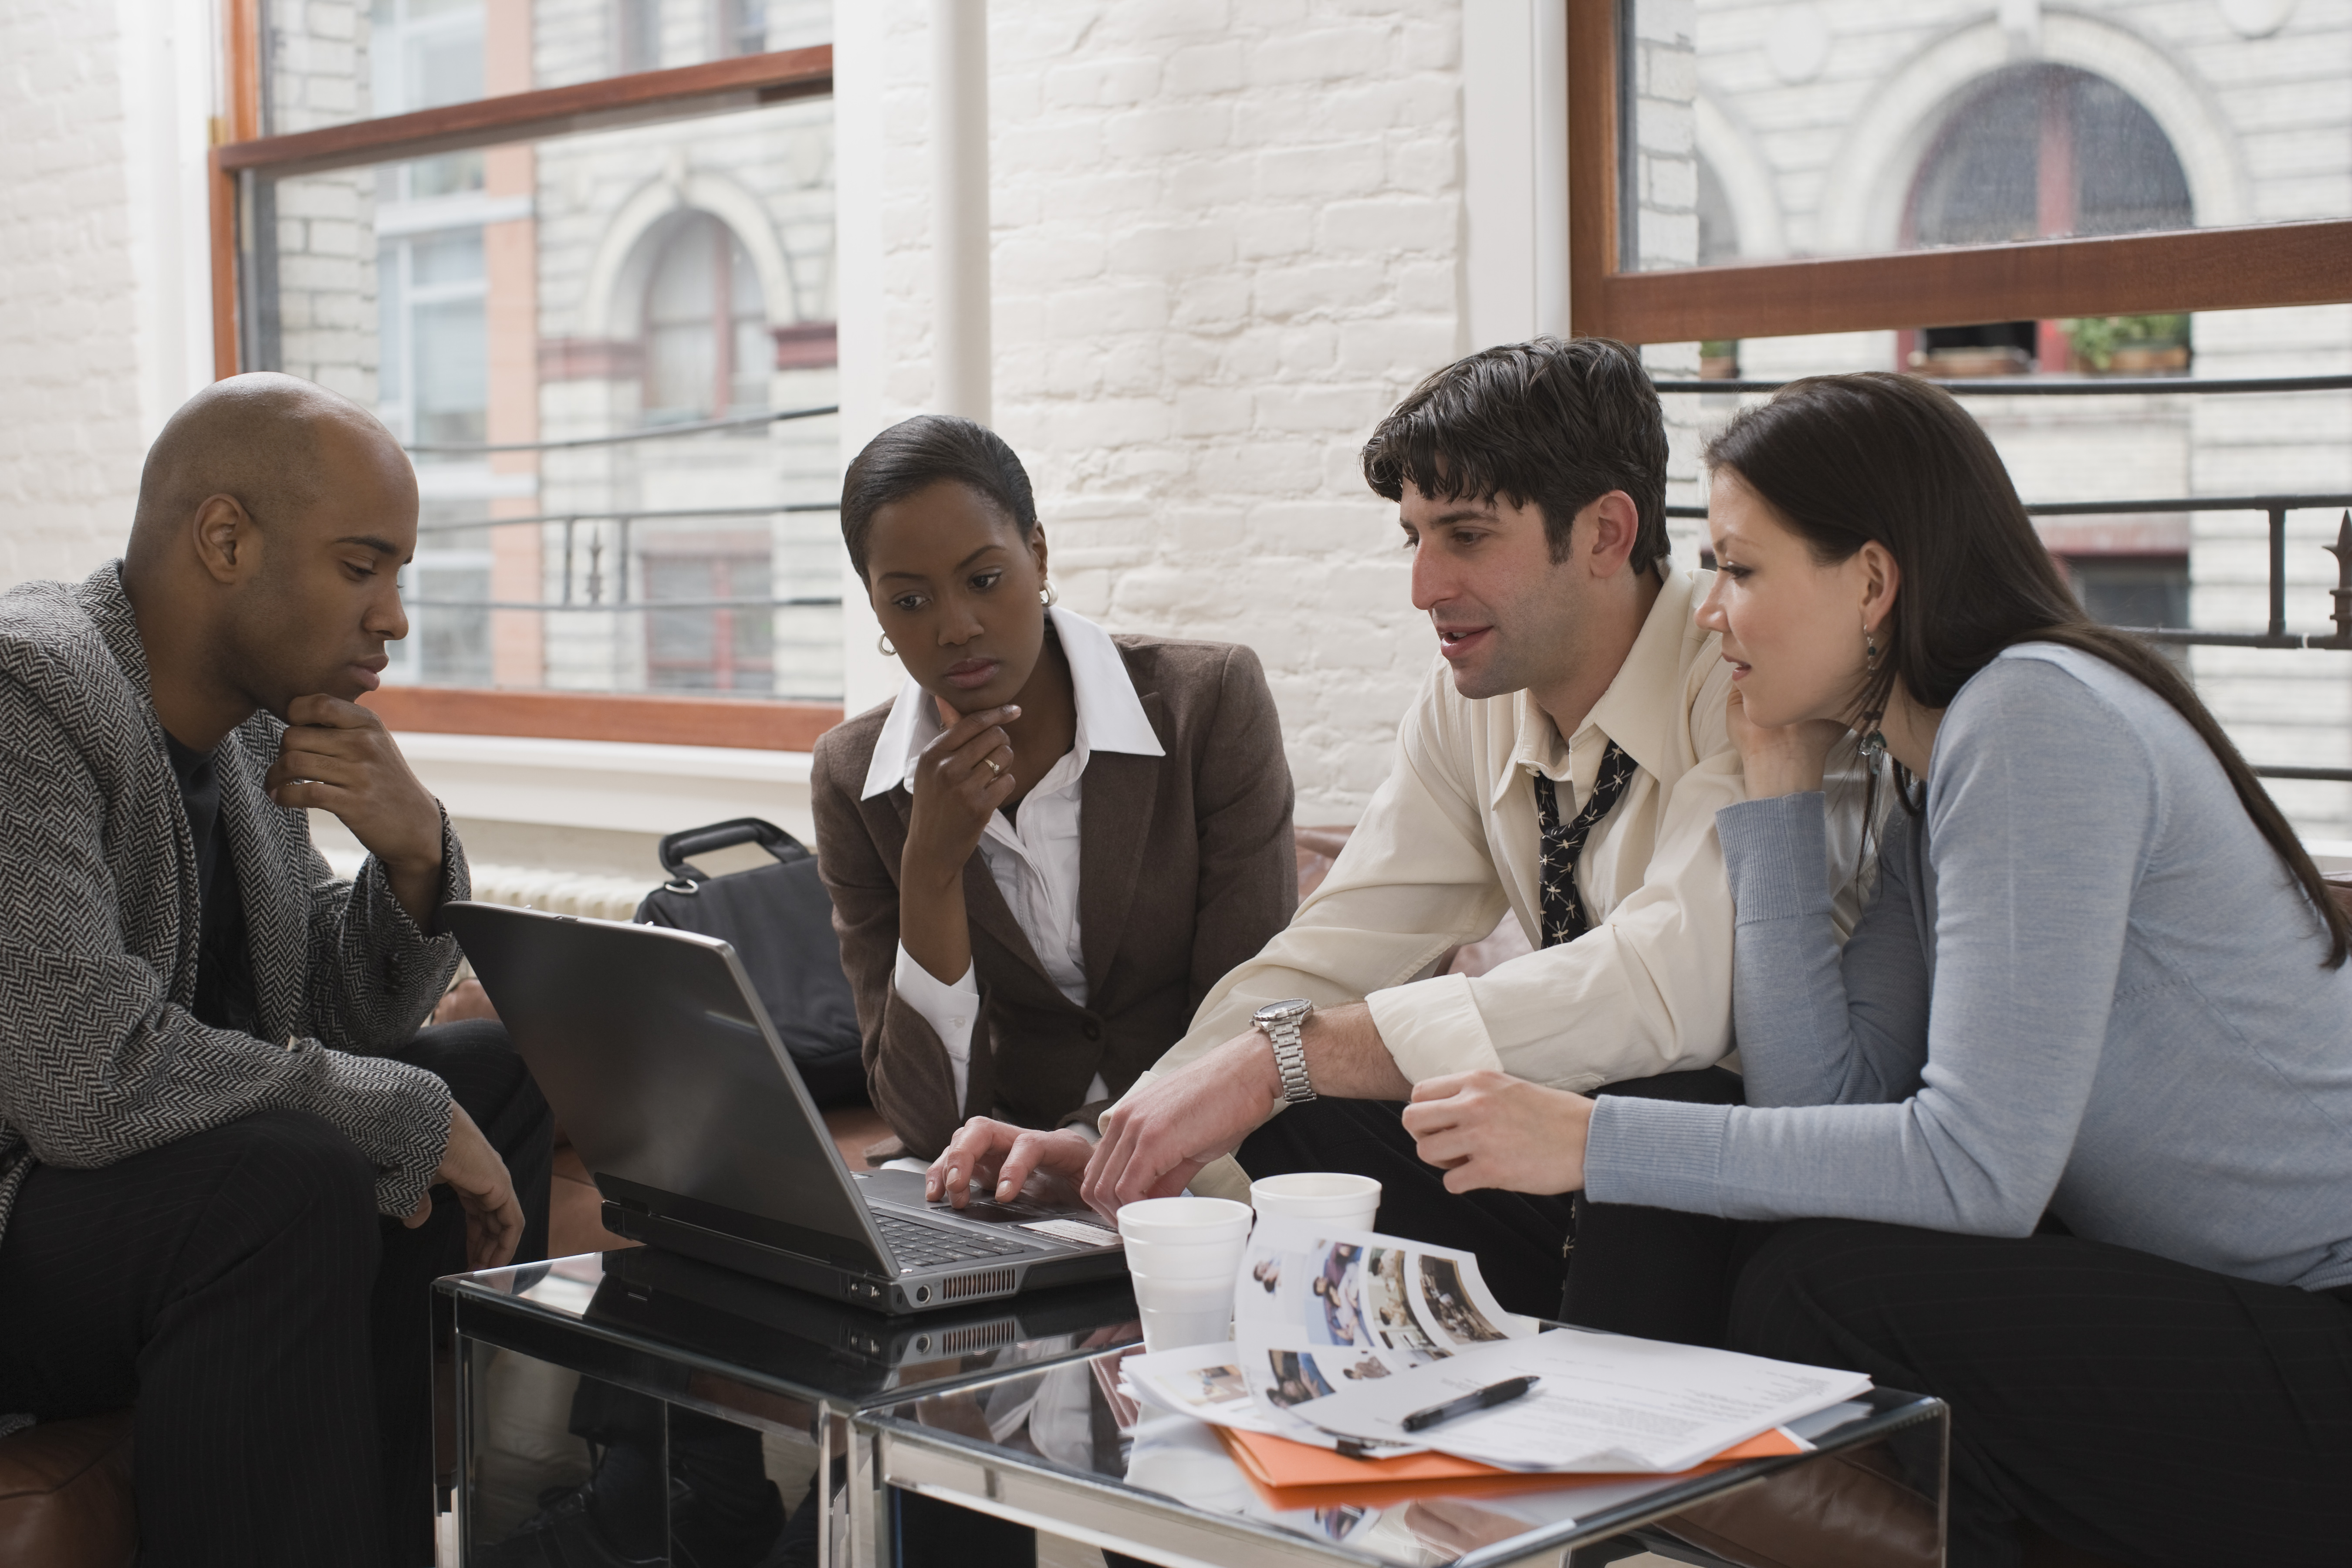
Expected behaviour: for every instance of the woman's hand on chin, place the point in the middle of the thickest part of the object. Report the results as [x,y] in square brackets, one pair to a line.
[962,776]
[1783,759]
[1011,1159]
[1491,1130]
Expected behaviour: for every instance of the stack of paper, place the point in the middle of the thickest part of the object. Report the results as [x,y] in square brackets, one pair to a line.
[1337,1336]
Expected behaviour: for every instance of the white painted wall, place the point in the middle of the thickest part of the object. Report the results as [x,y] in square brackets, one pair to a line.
[107,325]
[1226,238]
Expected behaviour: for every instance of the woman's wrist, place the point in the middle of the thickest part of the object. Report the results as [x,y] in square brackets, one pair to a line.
[1775,773]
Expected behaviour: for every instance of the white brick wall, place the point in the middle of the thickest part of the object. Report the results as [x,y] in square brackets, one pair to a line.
[71,440]
[1227,239]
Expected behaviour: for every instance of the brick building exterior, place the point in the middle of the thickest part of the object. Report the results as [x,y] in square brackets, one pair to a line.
[1226,237]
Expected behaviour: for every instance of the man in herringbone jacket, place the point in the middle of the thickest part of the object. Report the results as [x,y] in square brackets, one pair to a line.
[220,1127]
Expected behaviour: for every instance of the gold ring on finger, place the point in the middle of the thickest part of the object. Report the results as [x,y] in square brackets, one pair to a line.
[994,770]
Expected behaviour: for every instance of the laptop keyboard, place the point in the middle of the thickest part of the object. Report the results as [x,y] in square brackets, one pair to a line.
[918,1246]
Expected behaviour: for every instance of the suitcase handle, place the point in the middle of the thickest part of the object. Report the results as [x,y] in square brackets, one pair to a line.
[686,878]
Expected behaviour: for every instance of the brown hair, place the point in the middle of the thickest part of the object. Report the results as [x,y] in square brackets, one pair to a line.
[1849,459]
[1546,424]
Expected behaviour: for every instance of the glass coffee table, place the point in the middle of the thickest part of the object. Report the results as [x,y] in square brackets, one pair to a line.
[1091,1466]
[1014,1409]
[532,1341]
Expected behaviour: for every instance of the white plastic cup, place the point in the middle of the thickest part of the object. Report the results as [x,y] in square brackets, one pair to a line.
[1183,1295]
[1168,1260]
[1341,1201]
[1186,1221]
[1182,1255]
[1172,1330]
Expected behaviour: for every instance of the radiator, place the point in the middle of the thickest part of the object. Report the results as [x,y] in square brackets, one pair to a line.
[600,897]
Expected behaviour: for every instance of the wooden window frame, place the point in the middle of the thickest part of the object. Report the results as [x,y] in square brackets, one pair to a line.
[2303,263]
[717,87]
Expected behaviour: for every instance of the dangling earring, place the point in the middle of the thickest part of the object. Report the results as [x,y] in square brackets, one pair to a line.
[882,643]
[1049,595]
[1872,745]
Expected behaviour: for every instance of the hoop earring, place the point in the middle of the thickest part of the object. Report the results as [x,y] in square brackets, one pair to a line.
[882,645]
[1049,595]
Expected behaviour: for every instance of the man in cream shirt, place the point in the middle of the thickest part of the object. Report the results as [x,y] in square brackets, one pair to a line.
[1530,482]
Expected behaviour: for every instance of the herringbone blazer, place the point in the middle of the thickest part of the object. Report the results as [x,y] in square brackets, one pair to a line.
[99,1057]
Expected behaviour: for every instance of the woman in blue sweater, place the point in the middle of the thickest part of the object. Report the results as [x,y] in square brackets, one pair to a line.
[2065,1131]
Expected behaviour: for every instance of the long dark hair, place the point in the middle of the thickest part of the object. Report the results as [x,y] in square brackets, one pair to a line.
[1849,459]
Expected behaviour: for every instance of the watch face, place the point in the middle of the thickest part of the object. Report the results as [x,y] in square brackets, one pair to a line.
[1288,1011]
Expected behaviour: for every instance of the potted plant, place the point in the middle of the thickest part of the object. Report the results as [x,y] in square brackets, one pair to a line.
[2131,345]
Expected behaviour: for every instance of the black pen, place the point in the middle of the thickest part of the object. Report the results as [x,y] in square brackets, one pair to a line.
[1486,1398]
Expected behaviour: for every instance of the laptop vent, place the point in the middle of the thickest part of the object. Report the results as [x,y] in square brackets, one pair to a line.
[979,1337]
[980,1282]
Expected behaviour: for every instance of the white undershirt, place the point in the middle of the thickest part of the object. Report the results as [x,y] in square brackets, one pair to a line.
[1034,860]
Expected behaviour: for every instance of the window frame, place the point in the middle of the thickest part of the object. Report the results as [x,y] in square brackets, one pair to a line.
[2296,263]
[239,151]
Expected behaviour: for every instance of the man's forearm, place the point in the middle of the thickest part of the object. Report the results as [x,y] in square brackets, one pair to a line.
[1345,1059]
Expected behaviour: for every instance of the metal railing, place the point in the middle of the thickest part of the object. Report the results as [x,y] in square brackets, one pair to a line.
[2274,634]
[590,594]
[650,432]
[626,521]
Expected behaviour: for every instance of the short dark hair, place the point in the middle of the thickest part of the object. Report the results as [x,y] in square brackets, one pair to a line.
[1546,424]
[916,454]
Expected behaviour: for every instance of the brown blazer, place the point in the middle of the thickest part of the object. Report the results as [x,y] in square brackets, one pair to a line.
[1185,869]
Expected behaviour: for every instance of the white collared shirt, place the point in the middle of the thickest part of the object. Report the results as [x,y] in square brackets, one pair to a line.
[1034,859]
[1451,842]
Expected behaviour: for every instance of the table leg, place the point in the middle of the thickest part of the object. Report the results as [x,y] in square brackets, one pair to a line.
[869,1511]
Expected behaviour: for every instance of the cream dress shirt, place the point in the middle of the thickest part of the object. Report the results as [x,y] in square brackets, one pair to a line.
[1450,842]
[1034,863]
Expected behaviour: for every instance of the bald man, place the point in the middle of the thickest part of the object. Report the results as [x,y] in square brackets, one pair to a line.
[230,1163]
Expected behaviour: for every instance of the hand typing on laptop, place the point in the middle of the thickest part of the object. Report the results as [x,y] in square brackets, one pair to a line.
[987,1151]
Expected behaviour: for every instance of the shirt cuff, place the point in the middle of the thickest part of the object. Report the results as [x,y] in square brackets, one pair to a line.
[949,1010]
[1433,1027]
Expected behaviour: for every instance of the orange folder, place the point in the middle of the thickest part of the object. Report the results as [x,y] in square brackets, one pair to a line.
[1290,1475]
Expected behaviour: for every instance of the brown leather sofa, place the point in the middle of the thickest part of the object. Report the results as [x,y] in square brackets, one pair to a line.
[65,1494]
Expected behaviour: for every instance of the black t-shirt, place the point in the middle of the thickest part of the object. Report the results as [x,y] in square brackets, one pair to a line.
[224,971]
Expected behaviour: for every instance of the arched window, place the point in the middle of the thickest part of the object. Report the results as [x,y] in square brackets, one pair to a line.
[2039,152]
[708,349]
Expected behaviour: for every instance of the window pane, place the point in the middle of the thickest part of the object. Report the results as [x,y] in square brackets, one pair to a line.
[540,300]
[329,61]
[2146,566]
[1761,129]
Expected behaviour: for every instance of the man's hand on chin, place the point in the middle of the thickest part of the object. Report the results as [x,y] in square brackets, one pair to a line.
[1155,1142]
[338,756]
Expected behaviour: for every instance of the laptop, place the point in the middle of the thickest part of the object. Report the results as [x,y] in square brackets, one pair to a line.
[665,1069]
[775,1330]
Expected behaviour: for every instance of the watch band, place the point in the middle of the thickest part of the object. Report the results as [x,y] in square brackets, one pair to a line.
[1290,1060]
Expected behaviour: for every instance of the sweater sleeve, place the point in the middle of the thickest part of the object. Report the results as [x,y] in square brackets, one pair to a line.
[915,1084]
[2042,805]
[1818,1026]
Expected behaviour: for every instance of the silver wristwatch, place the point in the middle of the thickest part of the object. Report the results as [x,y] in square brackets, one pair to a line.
[1281,1020]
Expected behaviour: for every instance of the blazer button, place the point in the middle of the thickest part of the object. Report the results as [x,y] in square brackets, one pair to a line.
[1093,1030]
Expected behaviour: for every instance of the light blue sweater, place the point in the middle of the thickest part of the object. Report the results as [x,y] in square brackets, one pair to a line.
[2086,985]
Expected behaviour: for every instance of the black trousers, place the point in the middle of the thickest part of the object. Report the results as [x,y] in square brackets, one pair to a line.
[1523,1242]
[2132,1406]
[274,1331]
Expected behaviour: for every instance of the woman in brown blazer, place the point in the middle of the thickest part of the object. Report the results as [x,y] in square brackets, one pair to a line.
[1049,846]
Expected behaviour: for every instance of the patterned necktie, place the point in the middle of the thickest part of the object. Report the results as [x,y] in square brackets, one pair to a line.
[1564,919]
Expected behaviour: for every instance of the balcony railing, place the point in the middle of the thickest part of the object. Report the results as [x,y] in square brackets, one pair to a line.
[2274,634]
